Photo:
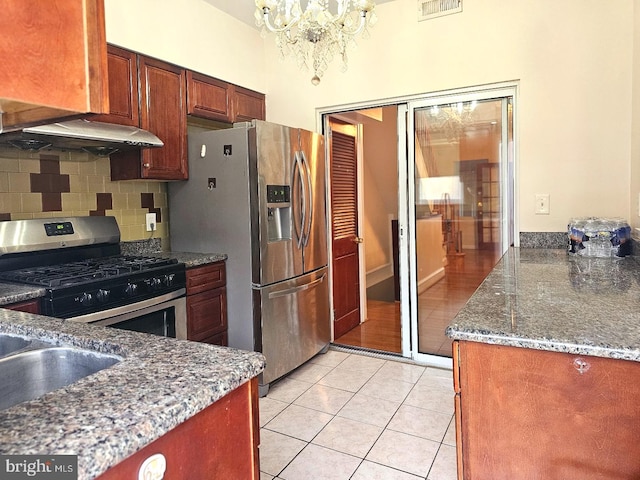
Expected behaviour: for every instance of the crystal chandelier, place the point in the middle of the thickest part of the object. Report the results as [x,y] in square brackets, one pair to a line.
[452,119]
[315,35]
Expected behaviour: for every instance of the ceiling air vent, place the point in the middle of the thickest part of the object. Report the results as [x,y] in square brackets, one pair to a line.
[437,8]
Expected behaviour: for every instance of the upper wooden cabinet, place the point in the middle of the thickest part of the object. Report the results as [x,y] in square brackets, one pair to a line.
[54,61]
[208,97]
[247,104]
[214,99]
[158,91]
[157,96]
[124,103]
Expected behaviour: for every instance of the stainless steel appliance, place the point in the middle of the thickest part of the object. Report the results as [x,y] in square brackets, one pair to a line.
[87,279]
[256,192]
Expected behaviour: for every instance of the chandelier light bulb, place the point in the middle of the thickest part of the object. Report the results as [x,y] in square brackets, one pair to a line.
[313,35]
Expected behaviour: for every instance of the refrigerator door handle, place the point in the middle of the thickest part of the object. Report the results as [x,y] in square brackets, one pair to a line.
[307,230]
[297,186]
[290,291]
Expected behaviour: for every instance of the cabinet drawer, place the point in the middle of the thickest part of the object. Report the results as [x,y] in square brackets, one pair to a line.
[206,314]
[200,279]
[31,306]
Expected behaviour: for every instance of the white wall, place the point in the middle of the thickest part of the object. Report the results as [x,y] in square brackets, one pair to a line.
[192,34]
[573,60]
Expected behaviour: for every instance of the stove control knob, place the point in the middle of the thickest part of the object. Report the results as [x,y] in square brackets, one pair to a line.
[154,283]
[131,289]
[168,279]
[103,295]
[86,299]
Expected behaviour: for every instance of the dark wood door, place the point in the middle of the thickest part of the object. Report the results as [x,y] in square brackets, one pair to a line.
[344,221]
[488,208]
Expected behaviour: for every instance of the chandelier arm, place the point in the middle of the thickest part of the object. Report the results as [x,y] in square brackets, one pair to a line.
[269,25]
[360,27]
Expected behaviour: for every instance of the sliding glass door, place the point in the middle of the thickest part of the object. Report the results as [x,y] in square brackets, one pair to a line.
[460,207]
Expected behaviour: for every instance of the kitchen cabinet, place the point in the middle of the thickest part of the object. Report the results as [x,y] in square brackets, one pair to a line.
[219,442]
[30,306]
[207,304]
[54,61]
[247,104]
[531,414]
[214,99]
[124,108]
[162,111]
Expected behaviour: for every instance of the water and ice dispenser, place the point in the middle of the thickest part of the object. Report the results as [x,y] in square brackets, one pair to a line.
[278,212]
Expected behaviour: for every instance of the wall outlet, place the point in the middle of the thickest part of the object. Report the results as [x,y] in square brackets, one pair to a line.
[542,204]
[151,222]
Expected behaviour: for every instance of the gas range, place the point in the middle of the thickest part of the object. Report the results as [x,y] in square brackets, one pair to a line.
[78,261]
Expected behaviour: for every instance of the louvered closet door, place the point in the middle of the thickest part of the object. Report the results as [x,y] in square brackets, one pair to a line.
[344,221]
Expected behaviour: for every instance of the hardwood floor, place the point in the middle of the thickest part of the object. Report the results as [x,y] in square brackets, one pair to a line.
[437,307]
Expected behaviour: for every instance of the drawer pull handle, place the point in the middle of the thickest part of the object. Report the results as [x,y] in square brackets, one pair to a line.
[581,365]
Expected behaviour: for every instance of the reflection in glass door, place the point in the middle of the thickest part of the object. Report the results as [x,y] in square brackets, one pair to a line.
[462,189]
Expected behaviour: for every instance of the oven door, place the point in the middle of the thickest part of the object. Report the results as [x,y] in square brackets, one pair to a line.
[165,315]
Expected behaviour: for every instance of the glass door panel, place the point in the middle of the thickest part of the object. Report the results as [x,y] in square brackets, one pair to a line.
[460,184]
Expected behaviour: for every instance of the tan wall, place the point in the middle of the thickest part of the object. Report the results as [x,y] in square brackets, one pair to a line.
[380,189]
[81,188]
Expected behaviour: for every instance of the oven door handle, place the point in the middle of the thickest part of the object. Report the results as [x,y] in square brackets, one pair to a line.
[105,315]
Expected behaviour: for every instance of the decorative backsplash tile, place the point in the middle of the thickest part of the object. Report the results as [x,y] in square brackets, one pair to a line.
[45,185]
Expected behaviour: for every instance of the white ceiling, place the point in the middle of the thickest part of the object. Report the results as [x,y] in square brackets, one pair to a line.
[244,10]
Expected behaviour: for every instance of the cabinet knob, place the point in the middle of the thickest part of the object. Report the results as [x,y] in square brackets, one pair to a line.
[146,165]
[581,365]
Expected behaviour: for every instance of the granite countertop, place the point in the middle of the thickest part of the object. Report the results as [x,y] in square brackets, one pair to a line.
[15,293]
[106,417]
[549,300]
[191,259]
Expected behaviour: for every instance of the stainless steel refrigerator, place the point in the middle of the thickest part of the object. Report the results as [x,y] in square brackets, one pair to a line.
[256,192]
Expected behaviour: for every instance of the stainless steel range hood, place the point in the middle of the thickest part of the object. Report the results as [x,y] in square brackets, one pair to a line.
[97,138]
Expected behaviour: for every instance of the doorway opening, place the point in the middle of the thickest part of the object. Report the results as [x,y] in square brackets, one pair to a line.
[434,214]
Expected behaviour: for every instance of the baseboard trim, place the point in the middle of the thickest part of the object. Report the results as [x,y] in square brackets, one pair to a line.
[429,281]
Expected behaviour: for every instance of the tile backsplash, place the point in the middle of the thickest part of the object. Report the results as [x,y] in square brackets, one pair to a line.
[64,184]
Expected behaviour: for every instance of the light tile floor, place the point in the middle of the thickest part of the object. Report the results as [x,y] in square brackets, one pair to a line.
[347,416]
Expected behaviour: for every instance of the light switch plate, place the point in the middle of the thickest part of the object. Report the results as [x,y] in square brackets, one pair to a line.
[542,204]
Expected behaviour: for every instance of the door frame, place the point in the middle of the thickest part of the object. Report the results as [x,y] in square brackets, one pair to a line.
[406,196]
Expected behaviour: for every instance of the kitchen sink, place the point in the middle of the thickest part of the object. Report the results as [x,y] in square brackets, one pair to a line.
[29,374]
[12,343]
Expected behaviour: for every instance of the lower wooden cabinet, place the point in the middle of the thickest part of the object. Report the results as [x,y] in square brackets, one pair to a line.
[207,304]
[530,414]
[220,442]
[30,306]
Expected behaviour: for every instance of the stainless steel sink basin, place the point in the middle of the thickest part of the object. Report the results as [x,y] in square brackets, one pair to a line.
[30,374]
[10,344]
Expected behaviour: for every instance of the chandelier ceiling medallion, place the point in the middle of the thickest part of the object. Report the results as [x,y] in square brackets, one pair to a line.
[317,33]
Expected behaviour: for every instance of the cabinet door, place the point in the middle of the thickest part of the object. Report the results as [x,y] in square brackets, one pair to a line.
[123,88]
[220,442]
[529,414]
[54,61]
[247,105]
[163,112]
[206,314]
[208,97]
